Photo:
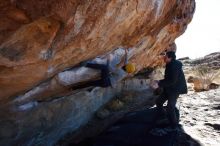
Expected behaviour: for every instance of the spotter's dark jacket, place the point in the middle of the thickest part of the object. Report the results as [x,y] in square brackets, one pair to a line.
[174,81]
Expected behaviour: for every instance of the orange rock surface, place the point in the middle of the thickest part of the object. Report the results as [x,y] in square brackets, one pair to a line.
[39,39]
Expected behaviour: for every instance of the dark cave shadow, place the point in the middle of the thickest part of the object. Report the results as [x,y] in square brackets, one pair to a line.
[133,130]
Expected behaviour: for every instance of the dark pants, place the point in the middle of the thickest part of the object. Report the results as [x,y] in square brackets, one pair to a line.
[103,82]
[171,105]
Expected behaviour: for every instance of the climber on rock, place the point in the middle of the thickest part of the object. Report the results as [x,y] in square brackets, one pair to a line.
[110,74]
[173,85]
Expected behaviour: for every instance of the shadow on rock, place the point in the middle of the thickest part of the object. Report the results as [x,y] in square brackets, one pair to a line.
[135,129]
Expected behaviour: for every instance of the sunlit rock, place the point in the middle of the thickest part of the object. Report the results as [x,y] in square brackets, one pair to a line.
[38,39]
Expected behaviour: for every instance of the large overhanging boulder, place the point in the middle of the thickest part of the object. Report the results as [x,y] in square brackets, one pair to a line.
[39,39]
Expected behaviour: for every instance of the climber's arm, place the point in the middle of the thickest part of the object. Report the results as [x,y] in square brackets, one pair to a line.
[126,57]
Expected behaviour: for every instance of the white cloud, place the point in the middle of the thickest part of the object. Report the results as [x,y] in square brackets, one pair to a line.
[203,33]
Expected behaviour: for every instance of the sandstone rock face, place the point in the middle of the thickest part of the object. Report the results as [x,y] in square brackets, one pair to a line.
[40,40]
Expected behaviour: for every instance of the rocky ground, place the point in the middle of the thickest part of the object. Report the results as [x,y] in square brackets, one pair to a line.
[200,116]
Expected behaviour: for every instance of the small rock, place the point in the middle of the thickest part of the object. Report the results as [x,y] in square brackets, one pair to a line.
[213,86]
[115,105]
[102,114]
[190,79]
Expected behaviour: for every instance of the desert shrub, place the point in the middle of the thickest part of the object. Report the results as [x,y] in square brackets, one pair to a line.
[206,75]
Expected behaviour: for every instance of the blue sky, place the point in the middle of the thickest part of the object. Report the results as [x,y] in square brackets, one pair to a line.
[202,36]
